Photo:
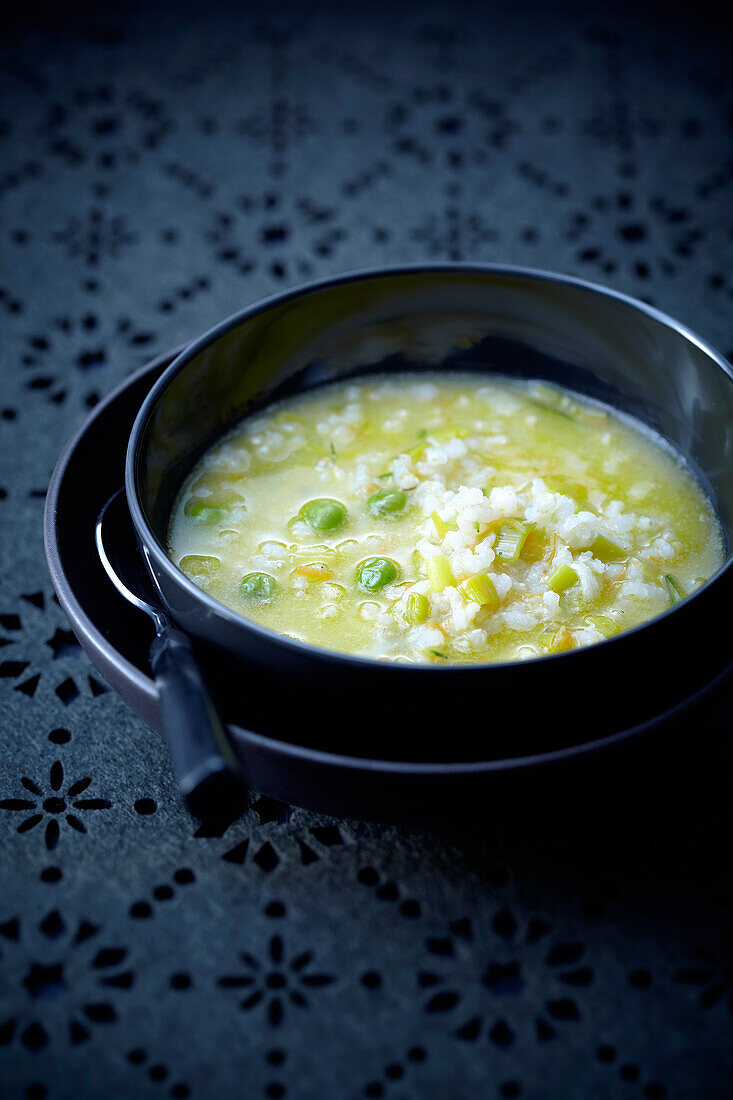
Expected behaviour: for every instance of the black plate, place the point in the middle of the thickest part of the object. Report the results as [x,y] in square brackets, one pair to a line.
[116,638]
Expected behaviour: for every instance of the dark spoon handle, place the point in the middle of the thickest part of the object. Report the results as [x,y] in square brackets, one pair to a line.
[202,757]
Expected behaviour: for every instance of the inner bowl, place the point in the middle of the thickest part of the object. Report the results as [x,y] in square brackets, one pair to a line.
[523,324]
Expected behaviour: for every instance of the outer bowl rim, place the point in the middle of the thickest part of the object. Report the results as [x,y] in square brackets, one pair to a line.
[62,587]
[104,649]
[238,622]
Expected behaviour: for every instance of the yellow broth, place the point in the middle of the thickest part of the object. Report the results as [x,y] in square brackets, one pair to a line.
[444,518]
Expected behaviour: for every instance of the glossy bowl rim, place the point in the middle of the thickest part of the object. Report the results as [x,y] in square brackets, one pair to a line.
[308,650]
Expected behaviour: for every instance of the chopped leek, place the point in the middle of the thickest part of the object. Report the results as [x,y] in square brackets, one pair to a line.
[650,572]
[511,538]
[549,408]
[607,551]
[563,578]
[535,546]
[439,572]
[417,608]
[604,625]
[550,394]
[441,526]
[481,590]
[445,435]
[674,588]
[559,483]
[551,400]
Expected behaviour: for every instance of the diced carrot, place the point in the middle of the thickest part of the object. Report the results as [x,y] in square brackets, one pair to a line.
[314,572]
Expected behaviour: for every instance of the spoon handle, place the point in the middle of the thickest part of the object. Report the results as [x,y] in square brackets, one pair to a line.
[204,762]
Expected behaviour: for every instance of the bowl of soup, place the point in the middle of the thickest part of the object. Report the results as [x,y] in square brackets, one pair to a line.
[444,513]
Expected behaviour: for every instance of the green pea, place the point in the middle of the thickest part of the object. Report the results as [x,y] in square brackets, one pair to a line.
[258,586]
[198,565]
[385,502]
[323,514]
[374,573]
[203,511]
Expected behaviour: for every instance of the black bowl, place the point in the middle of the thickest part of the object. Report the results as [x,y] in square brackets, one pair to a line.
[117,638]
[523,323]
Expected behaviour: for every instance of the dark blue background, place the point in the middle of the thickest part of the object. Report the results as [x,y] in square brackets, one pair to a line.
[161,166]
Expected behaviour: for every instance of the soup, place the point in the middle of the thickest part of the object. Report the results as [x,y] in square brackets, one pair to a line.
[444,518]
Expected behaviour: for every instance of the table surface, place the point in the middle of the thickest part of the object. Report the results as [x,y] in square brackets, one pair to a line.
[161,167]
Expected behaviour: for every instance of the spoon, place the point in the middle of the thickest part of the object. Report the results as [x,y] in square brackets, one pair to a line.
[203,758]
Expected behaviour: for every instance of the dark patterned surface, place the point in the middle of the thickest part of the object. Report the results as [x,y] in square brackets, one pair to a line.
[161,168]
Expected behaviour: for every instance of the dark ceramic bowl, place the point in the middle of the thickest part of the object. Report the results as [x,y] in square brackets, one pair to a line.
[523,323]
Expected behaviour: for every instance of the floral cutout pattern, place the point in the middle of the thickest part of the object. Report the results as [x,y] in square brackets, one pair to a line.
[70,985]
[504,976]
[277,982]
[711,973]
[55,803]
[271,148]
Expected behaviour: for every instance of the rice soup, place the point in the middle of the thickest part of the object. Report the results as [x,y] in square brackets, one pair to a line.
[444,518]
